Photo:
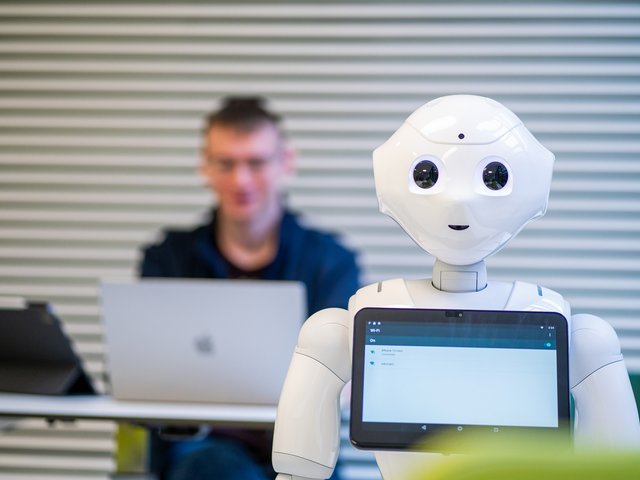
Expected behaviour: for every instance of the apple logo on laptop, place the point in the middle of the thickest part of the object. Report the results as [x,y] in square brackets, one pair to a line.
[204,344]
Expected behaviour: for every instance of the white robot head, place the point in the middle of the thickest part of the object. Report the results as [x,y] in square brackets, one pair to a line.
[462,176]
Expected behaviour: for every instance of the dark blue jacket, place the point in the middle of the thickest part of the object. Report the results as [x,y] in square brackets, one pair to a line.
[328,270]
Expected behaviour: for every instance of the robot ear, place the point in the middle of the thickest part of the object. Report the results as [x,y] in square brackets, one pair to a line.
[392,159]
[391,162]
[544,209]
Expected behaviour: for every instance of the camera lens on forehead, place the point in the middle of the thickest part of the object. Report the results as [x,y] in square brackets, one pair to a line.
[425,174]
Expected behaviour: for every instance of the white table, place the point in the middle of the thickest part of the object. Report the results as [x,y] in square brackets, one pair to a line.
[102,407]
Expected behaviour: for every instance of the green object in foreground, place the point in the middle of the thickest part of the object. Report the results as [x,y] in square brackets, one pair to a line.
[132,446]
[526,459]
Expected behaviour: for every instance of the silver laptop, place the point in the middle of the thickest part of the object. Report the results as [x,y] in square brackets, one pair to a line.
[213,341]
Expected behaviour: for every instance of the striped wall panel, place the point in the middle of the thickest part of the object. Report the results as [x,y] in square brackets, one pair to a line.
[101,106]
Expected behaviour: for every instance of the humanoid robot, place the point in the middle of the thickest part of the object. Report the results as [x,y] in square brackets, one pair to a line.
[461,176]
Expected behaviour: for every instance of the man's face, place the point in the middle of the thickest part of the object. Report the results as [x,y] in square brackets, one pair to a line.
[246,170]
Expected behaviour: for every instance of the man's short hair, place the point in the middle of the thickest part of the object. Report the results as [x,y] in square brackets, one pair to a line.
[243,113]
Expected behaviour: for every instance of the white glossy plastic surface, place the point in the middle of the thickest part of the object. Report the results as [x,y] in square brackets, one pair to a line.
[462,134]
[606,412]
[460,220]
[307,432]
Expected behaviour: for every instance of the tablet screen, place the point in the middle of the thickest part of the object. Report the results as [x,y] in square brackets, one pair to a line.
[417,372]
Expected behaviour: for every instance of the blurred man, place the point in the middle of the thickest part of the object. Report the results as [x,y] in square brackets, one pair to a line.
[251,235]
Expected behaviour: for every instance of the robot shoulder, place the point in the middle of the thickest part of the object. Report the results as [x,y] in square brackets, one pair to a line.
[532,297]
[387,293]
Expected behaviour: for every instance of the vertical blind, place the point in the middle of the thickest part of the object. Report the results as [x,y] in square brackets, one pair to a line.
[100,113]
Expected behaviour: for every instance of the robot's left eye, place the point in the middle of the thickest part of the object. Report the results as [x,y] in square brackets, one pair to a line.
[495,176]
[425,174]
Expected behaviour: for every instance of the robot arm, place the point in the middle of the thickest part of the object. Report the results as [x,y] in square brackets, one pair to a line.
[606,412]
[307,430]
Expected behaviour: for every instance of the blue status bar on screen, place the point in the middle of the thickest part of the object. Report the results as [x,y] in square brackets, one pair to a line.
[468,335]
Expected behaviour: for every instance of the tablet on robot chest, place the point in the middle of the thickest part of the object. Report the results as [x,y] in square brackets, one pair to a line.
[418,372]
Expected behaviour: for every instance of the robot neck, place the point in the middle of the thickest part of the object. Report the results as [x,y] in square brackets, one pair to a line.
[459,278]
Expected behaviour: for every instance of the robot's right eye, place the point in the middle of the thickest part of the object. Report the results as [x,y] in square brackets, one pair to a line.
[425,174]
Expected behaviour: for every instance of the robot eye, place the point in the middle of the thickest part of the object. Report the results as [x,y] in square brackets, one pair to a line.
[425,174]
[495,176]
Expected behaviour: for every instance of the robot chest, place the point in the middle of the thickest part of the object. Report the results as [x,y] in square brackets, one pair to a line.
[422,294]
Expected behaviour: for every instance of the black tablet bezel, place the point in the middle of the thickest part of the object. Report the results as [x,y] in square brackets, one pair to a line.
[393,436]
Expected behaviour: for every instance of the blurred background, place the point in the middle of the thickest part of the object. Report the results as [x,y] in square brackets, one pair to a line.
[101,106]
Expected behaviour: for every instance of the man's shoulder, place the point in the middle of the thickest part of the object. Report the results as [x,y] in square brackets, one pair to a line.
[180,240]
[316,238]
[174,255]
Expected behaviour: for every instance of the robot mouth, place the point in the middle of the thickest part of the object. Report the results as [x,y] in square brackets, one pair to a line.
[458,227]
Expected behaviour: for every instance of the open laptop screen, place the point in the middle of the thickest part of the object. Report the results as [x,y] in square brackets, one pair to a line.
[201,340]
[417,372]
